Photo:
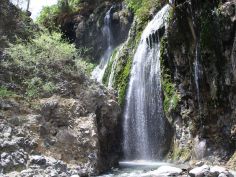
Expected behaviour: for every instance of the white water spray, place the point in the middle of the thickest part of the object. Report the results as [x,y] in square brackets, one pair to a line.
[99,71]
[144,125]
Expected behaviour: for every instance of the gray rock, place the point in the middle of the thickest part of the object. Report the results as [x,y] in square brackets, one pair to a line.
[200,171]
[222,175]
[15,121]
[216,170]
[200,148]
[164,171]
[232,172]
[48,106]
[1,115]
[38,160]
[199,164]
[13,160]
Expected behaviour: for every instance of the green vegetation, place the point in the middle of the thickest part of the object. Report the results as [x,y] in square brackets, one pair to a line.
[44,47]
[52,16]
[36,86]
[122,80]
[107,73]
[43,62]
[48,17]
[142,8]
[14,24]
[182,154]
[124,65]
[171,95]
[4,92]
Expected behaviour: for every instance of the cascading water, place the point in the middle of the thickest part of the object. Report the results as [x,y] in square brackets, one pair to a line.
[233,56]
[197,77]
[197,71]
[144,124]
[116,57]
[98,72]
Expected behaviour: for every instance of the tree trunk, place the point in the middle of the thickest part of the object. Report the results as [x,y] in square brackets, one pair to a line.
[28,4]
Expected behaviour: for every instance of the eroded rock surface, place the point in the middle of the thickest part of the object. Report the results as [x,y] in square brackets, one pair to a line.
[80,133]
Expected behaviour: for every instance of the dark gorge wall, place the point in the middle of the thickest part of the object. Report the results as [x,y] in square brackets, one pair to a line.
[85,27]
[73,130]
[199,99]
[205,124]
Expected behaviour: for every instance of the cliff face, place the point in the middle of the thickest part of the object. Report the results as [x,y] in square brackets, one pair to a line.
[73,129]
[198,78]
[85,27]
[76,129]
[60,135]
[199,56]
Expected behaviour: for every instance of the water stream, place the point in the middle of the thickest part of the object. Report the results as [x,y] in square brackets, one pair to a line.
[135,169]
[197,77]
[197,71]
[99,71]
[143,116]
[112,74]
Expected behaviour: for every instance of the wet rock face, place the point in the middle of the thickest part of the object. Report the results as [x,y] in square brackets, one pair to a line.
[208,122]
[64,136]
[88,28]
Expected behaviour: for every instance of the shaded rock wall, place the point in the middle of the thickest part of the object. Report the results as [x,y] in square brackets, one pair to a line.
[85,28]
[205,127]
[72,131]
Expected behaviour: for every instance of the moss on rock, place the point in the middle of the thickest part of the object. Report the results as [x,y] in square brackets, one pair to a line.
[122,80]
[180,153]
[124,64]
[171,95]
[107,73]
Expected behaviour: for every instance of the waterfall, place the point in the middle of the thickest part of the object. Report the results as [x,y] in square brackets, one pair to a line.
[116,57]
[197,77]
[197,71]
[144,124]
[233,57]
[99,71]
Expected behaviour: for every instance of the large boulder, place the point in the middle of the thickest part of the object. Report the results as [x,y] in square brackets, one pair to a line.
[200,171]
[164,171]
[82,133]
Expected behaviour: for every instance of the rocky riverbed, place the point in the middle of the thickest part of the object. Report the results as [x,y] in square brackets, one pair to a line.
[158,169]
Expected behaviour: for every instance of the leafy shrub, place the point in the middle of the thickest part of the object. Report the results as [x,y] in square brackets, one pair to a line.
[36,87]
[44,48]
[50,15]
[85,66]
[4,92]
[142,8]
[44,61]
[33,86]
